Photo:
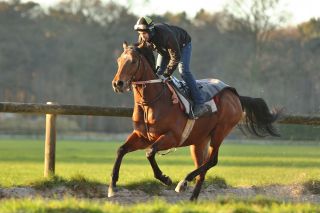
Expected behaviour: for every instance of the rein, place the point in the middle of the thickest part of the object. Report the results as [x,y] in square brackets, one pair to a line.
[148,82]
[146,103]
[144,84]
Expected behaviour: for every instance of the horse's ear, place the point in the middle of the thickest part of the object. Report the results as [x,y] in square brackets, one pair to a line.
[125,45]
[140,45]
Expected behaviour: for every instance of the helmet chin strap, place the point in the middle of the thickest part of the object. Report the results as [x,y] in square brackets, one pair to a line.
[151,32]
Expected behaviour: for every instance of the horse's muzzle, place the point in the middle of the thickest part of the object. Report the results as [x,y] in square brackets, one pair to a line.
[118,86]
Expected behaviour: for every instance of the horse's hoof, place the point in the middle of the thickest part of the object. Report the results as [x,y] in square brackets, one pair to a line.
[193,198]
[167,180]
[182,186]
[111,191]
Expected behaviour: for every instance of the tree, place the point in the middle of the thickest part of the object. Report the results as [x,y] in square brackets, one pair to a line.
[258,18]
[310,32]
[255,20]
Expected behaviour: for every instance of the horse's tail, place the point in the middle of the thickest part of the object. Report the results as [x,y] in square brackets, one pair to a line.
[258,119]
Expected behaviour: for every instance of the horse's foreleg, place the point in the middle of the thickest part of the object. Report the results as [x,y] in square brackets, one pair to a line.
[134,142]
[164,142]
[156,170]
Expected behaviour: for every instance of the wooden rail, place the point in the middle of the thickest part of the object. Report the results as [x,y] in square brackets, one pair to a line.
[300,119]
[59,109]
[51,110]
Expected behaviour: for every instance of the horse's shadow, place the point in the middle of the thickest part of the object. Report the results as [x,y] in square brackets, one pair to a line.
[154,187]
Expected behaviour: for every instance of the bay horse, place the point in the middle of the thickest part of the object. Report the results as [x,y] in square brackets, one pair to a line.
[159,124]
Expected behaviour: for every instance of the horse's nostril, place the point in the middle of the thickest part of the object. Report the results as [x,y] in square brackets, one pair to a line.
[119,83]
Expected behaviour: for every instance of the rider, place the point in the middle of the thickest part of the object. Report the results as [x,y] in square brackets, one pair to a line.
[173,45]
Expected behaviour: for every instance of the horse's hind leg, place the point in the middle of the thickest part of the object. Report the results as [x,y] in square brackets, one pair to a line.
[216,140]
[199,155]
[211,162]
[132,143]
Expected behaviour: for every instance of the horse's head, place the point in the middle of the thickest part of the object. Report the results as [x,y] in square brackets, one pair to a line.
[129,64]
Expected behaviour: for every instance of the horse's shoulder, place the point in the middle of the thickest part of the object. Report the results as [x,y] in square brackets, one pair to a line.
[137,114]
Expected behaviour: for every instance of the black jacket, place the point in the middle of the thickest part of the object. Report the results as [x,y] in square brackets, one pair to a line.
[168,41]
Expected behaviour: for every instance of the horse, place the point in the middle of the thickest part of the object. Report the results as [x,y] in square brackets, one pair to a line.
[158,124]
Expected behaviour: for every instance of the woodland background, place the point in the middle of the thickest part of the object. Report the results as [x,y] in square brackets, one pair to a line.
[67,54]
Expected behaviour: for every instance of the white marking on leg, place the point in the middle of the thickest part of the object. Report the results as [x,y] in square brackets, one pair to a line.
[110,191]
[182,186]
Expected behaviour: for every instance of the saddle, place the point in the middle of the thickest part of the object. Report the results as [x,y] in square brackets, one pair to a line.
[208,88]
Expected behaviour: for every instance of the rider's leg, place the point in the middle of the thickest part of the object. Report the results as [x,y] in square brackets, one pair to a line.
[187,76]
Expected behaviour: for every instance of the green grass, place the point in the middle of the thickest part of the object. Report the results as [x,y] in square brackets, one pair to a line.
[85,166]
[21,162]
[71,205]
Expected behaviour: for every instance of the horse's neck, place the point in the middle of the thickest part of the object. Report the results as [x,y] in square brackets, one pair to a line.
[149,92]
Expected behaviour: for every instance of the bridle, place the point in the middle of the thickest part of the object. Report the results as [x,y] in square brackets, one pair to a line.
[135,84]
[145,104]
[134,75]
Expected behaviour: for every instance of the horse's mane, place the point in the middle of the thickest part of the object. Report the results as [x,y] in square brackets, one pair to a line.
[148,54]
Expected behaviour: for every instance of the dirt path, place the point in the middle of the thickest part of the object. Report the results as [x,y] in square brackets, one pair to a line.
[282,193]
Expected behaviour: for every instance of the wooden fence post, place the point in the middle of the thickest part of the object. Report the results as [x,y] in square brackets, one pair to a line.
[50,144]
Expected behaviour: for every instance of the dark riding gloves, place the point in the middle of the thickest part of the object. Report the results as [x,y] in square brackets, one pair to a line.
[166,74]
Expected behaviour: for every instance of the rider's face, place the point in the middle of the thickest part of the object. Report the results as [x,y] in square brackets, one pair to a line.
[144,35]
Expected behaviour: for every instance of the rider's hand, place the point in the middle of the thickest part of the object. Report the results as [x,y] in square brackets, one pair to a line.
[163,78]
[166,74]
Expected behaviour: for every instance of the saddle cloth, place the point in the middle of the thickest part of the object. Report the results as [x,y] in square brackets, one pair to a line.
[208,88]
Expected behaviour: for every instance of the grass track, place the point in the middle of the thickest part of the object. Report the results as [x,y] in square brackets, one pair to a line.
[21,162]
[71,205]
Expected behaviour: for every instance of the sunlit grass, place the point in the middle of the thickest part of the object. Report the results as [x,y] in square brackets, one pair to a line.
[21,162]
[258,204]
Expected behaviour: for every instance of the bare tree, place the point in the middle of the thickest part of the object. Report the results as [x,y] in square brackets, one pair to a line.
[256,17]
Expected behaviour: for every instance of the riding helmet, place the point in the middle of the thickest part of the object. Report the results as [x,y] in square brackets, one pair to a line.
[144,24]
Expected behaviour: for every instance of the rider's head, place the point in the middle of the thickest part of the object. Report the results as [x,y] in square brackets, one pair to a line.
[144,27]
